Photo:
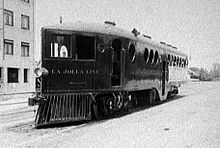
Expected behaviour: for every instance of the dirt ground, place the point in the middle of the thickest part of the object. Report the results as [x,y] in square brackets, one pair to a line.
[191,119]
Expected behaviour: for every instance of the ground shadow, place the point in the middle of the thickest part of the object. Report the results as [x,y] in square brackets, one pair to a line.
[145,107]
[116,115]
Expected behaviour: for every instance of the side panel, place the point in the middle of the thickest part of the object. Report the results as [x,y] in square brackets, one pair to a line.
[165,77]
[102,79]
[141,74]
[177,75]
[68,75]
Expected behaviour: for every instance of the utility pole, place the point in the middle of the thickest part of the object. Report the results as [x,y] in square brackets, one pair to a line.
[61,20]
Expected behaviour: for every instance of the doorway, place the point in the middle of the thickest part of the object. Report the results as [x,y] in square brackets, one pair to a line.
[116,63]
[164,71]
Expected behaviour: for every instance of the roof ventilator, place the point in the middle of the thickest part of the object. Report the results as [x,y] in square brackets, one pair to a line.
[147,36]
[110,23]
[135,32]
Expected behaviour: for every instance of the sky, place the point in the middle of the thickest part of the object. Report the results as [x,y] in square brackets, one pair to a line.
[193,26]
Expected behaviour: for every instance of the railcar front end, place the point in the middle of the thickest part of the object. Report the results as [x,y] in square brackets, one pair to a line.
[77,66]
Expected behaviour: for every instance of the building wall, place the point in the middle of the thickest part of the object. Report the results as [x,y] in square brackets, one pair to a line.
[18,35]
[1,41]
[1,29]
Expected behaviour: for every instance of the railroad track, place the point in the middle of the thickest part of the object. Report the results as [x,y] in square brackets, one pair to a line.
[15,113]
[53,131]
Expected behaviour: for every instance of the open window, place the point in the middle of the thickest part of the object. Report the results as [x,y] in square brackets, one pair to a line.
[85,47]
[60,46]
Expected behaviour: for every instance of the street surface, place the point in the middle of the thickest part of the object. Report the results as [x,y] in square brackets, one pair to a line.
[191,119]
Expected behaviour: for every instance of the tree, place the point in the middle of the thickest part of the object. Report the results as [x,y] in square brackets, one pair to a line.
[215,72]
[204,75]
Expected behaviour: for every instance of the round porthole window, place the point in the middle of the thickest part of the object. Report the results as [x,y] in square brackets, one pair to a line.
[146,55]
[169,61]
[101,48]
[132,52]
[177,61]
[187,62]
[174,62]
[151,56]
[156,58]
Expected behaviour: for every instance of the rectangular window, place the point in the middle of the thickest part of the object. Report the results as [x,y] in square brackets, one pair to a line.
[8,46]
[77,47]
[60,46]
[26,75]
[24,49]
[8,17]
[27,1]
[85,47]
[13,75]
[25,22]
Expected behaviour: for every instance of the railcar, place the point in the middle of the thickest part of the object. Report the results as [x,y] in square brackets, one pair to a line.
[93,70]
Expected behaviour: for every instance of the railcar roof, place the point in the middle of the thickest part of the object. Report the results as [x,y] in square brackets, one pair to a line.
[109,30]
[92,28]
[169,50]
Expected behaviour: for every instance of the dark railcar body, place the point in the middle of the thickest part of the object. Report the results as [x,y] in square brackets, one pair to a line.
[102,64]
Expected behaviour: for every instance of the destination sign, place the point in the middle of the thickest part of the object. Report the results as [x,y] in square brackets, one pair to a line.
[73,71]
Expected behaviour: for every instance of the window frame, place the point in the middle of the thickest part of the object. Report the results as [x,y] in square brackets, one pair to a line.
[23,21]
[26,75]
[48,35]
[74,49]
[49,39]
[8,42]
[24,46]
[8,13]
[10,79]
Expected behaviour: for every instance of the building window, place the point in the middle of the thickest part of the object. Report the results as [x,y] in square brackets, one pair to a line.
[27,1]
[12,75]
[24,49]
[8,46]
[8,18]
[26,75]
[1,75]
[25,22]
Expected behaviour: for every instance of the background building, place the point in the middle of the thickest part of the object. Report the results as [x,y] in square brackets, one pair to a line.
[16,46]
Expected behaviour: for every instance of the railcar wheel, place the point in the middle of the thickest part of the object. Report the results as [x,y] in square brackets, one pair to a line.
[107,105]
[133,102]
[95,114]
[103,107]
[153,97]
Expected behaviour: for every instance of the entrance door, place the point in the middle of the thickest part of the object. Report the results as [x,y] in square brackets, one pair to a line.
[116,63]
[164,77]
